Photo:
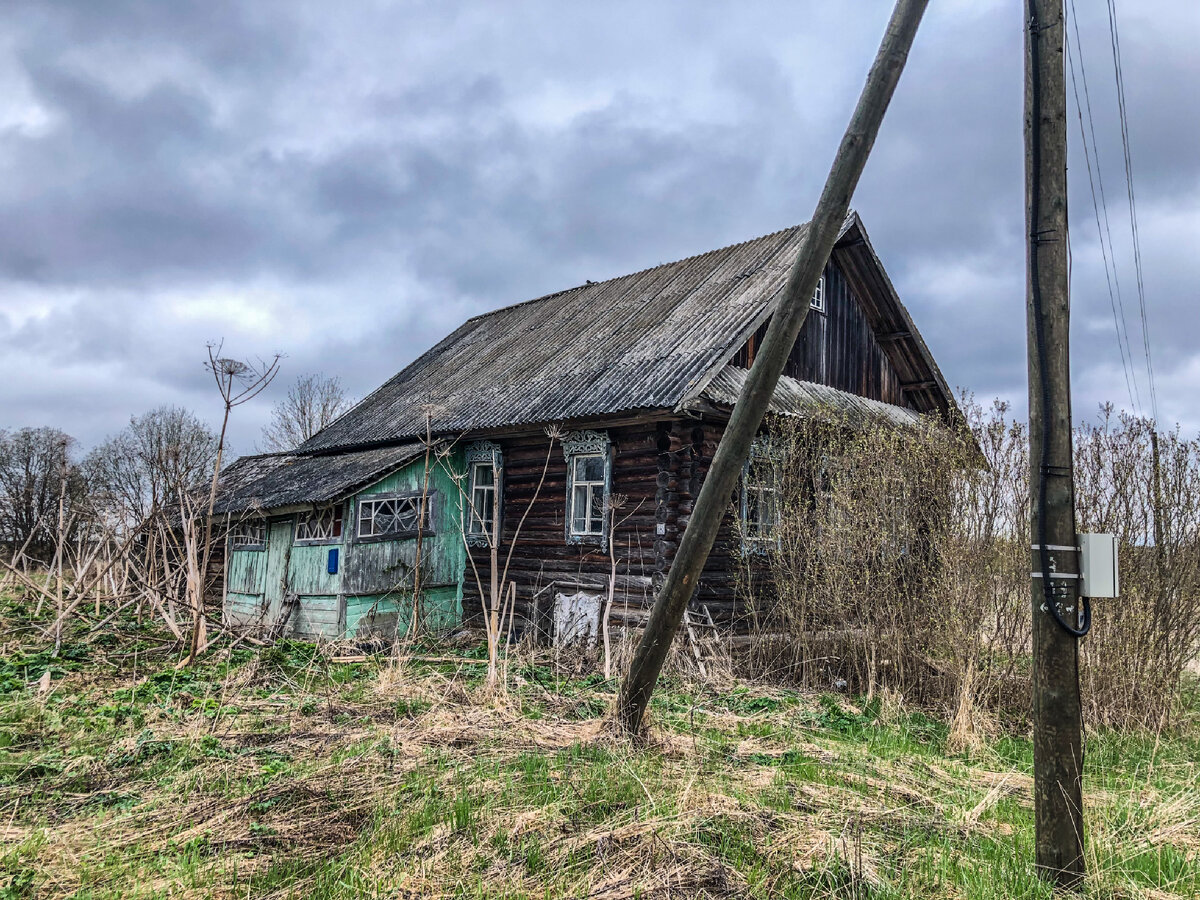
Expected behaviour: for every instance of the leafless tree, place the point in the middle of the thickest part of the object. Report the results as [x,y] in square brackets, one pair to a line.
[40,488]
[165,452]
[312,402]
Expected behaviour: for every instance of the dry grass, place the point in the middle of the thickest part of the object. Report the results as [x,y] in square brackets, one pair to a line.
[282,774]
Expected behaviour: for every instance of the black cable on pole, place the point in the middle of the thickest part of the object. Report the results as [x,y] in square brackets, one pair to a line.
[1035,239]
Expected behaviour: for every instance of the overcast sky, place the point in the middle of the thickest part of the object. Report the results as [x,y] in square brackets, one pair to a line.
[345,183]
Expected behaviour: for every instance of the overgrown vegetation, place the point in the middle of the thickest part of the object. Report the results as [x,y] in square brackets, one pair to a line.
[283,773]
[902,564]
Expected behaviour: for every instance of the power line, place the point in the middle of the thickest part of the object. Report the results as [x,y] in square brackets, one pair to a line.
[1133,224]
[1115,298]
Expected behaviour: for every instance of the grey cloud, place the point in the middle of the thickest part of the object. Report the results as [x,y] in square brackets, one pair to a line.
[389,171]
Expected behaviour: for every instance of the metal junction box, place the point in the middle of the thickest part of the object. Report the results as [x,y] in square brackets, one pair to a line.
[1098,565]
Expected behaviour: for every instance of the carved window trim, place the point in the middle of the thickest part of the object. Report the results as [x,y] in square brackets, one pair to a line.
[480,455]
[578,446]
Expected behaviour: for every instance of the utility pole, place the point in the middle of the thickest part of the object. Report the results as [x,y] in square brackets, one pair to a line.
[1159,551]
[756,394]
[1057,712]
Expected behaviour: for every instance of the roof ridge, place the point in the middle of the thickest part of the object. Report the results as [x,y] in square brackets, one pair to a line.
[633,274]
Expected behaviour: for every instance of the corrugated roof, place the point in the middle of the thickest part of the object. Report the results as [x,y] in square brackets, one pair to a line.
[273,480]
[650,340]
[793,397]
[634,342]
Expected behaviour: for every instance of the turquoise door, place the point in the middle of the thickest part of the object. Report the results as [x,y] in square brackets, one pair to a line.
[279,552]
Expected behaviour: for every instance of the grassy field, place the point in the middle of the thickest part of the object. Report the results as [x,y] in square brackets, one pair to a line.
[277,772]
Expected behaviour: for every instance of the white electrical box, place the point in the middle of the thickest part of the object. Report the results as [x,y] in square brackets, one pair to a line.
[1098,565]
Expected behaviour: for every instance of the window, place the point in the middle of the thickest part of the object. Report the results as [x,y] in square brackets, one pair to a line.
[485,491]
[483,498]
[392,515]
[818,297]
[760,500]
[587,494]
[321,526]
[587,454]
[250,535]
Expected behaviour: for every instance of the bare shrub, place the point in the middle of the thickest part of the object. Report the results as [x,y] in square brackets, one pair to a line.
[42,492]
[873,580]
[1145,489]
[902,563]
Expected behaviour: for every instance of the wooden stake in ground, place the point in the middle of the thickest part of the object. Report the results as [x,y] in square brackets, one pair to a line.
[768,365]
[1057,714]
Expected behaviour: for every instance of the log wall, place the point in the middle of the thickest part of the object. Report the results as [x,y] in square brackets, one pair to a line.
[657,466]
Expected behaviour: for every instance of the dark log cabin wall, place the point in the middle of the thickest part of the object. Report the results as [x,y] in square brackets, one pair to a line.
[658,466]
[543,561]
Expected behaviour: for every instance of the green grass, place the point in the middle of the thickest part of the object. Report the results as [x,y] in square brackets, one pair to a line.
[279,773]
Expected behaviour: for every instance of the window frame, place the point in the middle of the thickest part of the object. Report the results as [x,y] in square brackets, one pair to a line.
[425,529]
[817,303]
[480,526]
[338,526]
[761,541]
[578,446]
[481,454]
[252,546]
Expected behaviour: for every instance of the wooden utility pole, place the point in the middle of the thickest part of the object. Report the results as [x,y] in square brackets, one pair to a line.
[1057,713]
[752,403]
[1159,550]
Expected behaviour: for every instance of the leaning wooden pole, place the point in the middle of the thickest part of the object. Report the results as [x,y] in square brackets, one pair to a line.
[719,483]
[1058,621]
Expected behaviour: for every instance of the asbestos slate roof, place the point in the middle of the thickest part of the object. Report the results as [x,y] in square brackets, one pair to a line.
[650,340]
[793,397]
[635,342]
[273,480]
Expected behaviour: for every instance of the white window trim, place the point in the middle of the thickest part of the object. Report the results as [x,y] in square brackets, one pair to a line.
[581,445]
[818,297]
[761,541]
[589,495]
[248,535]
[411,497]
[304,520]
[478,526]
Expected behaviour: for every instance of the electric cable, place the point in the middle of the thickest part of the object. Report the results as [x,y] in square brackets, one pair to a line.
[1119,75]
[1116,300]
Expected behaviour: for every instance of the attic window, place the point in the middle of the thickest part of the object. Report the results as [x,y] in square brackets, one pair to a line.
[251,535]
[818,297]
[321,526]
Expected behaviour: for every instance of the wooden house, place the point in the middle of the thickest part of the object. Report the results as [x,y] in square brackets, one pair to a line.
[541,413]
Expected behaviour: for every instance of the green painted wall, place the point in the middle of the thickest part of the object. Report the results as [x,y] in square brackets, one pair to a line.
[372,592]
[378,576]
